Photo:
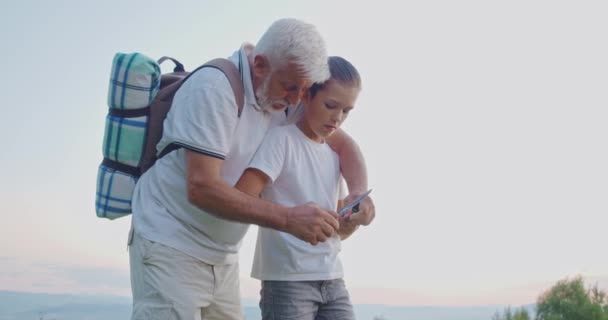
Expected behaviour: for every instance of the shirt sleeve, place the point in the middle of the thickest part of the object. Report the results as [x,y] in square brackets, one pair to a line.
[203,116]
[270,156]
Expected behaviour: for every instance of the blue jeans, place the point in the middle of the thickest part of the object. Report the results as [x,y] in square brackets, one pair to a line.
[305,300]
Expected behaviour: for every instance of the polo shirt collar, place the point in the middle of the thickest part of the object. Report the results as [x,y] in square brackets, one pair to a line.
[241,59]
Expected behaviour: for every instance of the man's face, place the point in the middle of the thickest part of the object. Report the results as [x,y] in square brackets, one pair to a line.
[281,88]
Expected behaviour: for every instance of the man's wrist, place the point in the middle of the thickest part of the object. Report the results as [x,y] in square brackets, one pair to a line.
[286,215]
[279,220]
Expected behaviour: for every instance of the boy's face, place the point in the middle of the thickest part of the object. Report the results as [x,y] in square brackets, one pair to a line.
[326,111]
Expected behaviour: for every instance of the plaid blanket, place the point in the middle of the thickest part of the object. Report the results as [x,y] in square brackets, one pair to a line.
[123,139]
[134,81]
[114,193]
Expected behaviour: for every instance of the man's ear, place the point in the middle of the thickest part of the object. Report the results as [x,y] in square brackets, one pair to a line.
[261,66]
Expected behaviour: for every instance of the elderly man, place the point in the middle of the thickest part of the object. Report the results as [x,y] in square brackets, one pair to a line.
[188,219]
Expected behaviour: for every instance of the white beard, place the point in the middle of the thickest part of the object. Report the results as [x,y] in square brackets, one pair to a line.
[266,103]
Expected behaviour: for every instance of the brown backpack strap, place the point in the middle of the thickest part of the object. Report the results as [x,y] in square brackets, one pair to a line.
[224,65]
[179,67]
[161,104]
[234,77]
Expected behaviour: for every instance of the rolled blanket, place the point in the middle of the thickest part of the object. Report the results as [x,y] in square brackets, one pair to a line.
[134,81]
[124,139]
[114,193]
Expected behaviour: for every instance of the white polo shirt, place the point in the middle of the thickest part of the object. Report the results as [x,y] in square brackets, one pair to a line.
[203,118]
[301,171]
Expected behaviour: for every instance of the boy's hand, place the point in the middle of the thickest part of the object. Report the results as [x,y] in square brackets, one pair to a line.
[347,227]
[363,214]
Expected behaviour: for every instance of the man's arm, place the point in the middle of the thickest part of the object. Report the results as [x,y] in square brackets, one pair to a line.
[208,191]
[354,171]
[252,182]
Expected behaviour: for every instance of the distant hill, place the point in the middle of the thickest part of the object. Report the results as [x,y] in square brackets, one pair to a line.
[30,306]
[26,305]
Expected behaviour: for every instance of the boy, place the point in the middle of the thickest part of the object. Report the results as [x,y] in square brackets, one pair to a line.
[293,166]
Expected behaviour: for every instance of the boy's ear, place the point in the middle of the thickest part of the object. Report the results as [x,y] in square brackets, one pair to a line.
[261,66]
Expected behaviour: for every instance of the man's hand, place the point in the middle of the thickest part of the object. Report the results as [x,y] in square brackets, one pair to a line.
[312,224]
[363,214]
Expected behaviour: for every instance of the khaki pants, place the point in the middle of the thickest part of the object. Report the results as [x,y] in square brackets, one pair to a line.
[170,285]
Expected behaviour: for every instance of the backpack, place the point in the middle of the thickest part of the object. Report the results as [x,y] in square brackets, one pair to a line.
[139,98]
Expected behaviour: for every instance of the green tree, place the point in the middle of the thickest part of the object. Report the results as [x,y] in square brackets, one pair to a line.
[569,300]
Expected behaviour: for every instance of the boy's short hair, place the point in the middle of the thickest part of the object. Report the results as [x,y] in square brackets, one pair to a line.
[342,71]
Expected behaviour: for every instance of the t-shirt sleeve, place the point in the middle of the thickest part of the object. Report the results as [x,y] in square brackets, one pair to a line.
[270,156]
[203,118]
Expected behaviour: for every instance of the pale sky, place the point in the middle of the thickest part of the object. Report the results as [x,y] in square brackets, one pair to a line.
[483,123]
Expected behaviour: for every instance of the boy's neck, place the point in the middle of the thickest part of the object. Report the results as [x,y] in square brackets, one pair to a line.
[304,126]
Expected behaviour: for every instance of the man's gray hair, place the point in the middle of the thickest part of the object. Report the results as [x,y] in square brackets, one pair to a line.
[294,41]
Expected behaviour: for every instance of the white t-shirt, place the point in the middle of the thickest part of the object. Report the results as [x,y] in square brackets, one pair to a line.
[203,118]
[301,171]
